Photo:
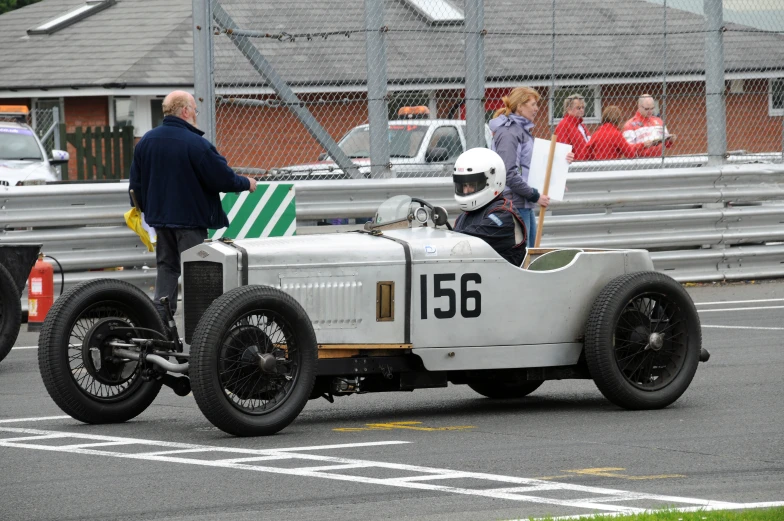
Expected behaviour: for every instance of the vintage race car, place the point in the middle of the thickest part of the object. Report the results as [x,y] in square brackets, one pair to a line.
[405,304]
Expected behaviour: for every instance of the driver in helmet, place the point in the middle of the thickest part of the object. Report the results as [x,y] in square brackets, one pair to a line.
[480,178]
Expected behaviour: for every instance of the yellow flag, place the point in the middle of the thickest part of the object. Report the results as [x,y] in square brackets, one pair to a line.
[135,221]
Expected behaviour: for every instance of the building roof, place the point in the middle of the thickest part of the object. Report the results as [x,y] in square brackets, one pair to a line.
[148,43]
[138,42]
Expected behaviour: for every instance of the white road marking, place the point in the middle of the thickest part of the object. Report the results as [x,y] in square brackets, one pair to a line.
[257,458]
[746,327]
[25,347]
[38,419]
[102,444]
[51,436]
[721,303]
[513,489]
[738,309]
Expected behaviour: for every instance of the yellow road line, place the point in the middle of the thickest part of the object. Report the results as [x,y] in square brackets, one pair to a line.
[413,426]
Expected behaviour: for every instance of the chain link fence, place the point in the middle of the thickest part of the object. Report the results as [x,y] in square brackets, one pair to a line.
[397,88]
[45,124]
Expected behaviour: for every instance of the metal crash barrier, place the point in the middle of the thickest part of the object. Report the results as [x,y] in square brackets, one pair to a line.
[700,224]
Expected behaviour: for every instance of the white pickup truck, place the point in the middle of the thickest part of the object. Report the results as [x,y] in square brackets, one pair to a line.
[416,147]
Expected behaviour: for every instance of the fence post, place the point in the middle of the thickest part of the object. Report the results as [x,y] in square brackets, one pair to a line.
[203,85]
[89,157]
[127,151]
[475,73]
[714,82]
[118,152]
[62,135]
[79,145]
[56,124]
[107,151]
[376,56]
[100,173]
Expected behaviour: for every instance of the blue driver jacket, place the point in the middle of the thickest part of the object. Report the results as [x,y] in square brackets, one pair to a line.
[495,224]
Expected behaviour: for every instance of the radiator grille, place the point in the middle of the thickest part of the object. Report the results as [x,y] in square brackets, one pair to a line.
[202,283]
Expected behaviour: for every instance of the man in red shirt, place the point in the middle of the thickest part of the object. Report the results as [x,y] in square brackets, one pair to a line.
[571,129]
[644,127]
[608,142]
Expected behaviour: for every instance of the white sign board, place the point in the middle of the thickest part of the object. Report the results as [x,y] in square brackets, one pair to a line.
[538,172]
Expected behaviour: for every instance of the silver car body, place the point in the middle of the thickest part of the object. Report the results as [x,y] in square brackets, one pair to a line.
[33,168]
[457,303]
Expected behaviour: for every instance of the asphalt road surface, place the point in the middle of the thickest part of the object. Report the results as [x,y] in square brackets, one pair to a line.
[441,454]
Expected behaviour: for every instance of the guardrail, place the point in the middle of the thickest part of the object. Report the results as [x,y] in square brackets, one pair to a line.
[701,224]
[330,171]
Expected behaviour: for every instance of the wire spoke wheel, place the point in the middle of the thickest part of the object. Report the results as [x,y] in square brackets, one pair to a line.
[650,341]
[258,362]
[643,340]
[253,361]
[95,375]
[75,357]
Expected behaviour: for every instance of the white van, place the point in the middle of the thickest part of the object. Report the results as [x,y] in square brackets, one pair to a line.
[23,159]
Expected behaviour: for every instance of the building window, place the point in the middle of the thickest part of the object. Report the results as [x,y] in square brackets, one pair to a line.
[71,17]
[123,109]
[437,12]
[776,97]
[156,111]
[592,95]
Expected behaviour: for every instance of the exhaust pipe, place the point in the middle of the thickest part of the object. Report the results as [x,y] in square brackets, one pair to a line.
[155,359]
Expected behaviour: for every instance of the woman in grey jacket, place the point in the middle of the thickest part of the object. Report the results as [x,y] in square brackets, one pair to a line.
[513,141]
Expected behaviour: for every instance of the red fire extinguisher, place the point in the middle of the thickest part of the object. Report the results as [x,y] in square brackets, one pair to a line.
[40,293]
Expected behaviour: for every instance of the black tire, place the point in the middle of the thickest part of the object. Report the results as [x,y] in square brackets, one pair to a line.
[505,390]
[233,335]
[643,340]
[79,387]
[10,312]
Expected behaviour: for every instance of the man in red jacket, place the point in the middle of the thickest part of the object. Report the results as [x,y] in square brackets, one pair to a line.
[571,129]
[644,127]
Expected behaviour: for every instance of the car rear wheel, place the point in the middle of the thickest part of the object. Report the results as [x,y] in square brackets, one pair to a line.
[643,341]
[75,356]
[253,361]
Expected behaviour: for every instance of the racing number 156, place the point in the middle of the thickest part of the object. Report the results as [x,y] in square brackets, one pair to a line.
[467,296]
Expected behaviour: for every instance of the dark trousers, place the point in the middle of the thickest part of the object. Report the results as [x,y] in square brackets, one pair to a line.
[171,243]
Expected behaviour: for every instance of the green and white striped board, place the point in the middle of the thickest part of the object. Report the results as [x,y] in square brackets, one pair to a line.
[267,212]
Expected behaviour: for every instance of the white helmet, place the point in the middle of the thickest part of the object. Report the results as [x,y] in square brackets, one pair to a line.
[480,177]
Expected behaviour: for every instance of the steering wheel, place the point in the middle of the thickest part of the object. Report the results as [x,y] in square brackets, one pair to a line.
[437,214]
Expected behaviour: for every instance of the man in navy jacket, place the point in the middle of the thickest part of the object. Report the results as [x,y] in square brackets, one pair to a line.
[177,177]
